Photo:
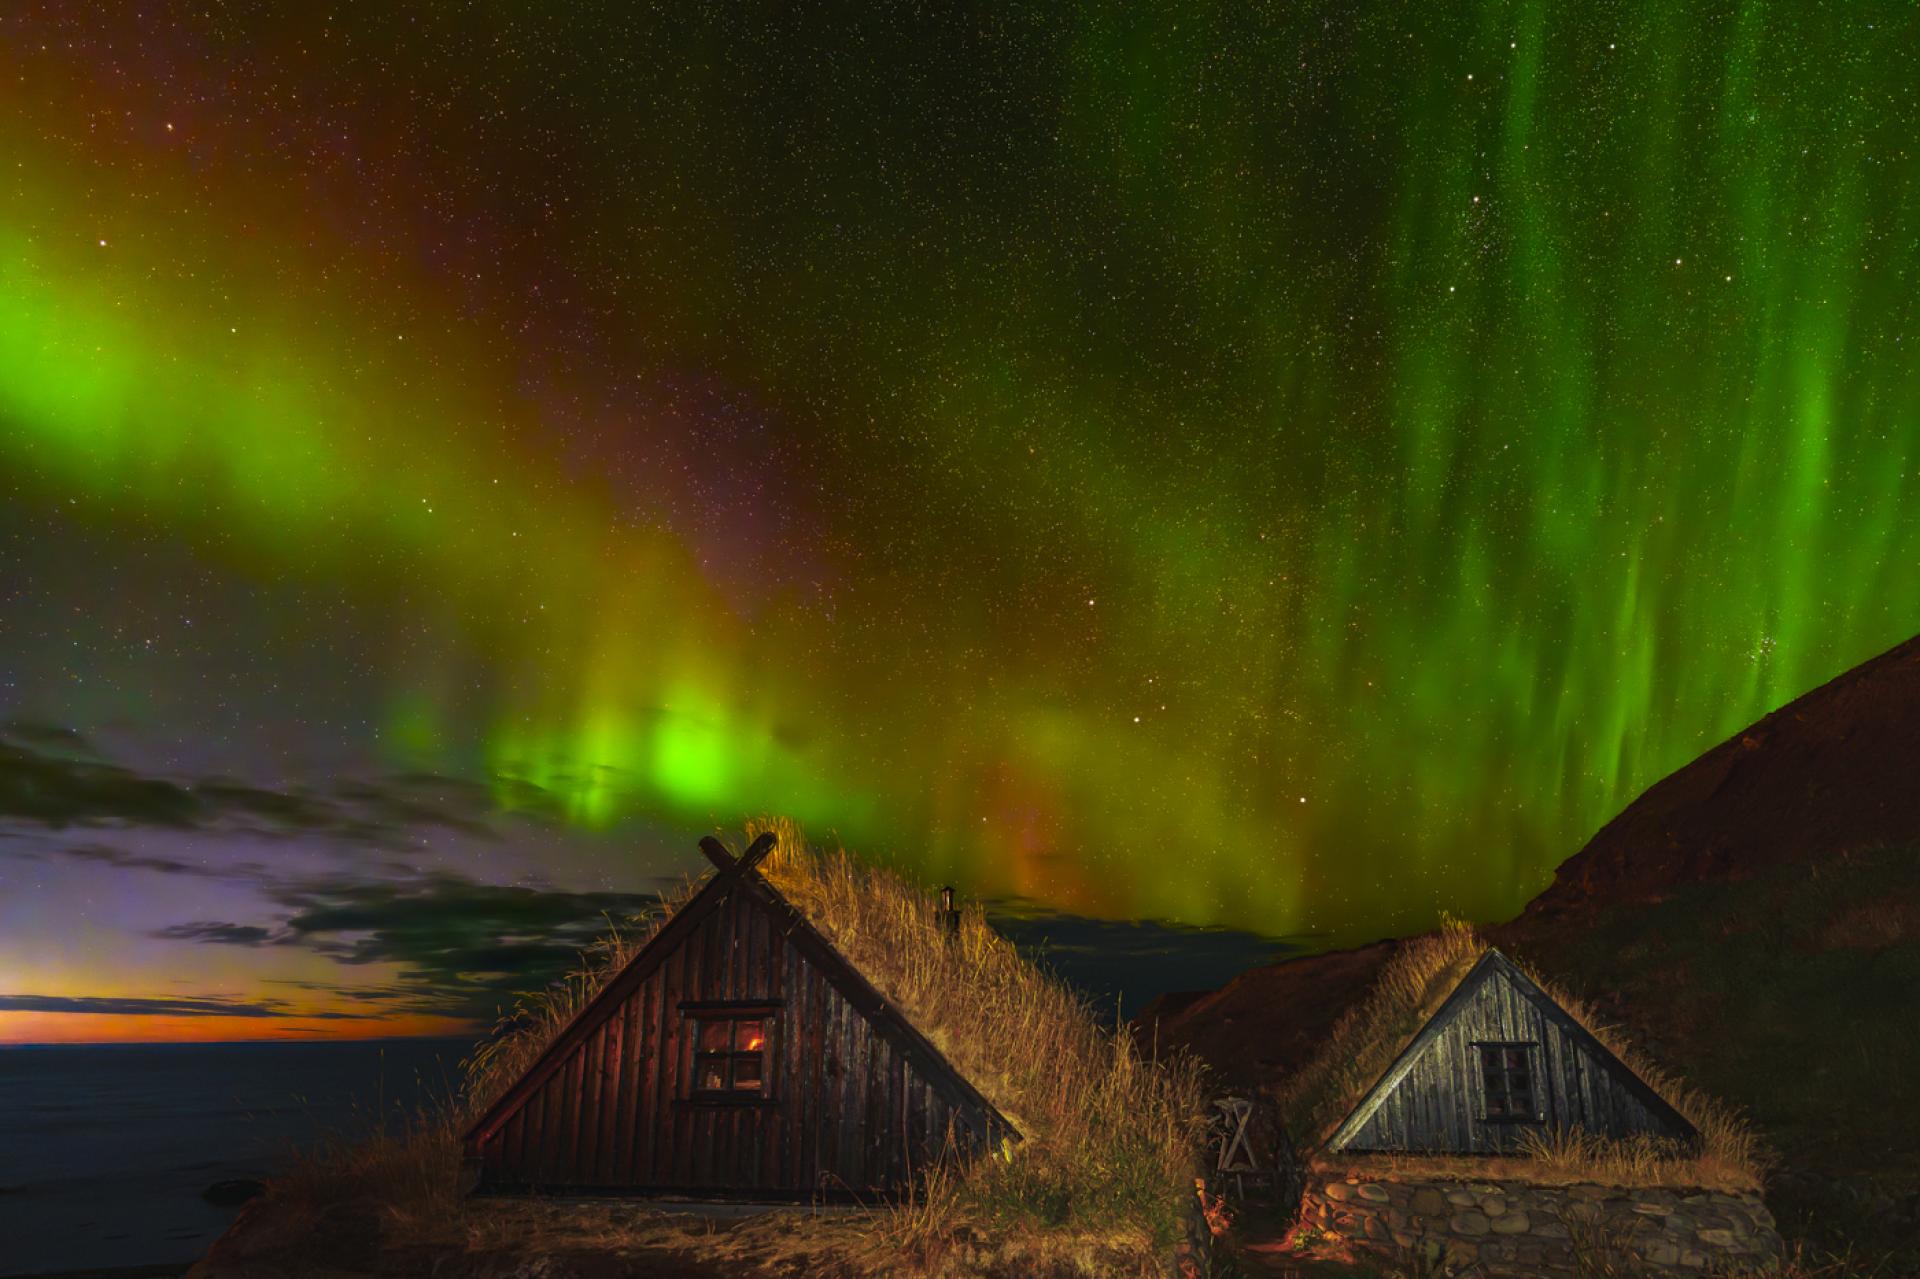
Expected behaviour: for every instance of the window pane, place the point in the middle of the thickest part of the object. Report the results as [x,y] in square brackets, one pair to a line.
[1516,1059]
[746,1073]
[713,1075]
[713,1035]
[749,1036]
[1496,1105]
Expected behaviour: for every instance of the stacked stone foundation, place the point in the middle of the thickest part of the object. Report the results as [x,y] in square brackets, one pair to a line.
[1508,1228]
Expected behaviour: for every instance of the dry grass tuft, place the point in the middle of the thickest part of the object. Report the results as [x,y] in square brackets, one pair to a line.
[1110,1140]
[412,1171]
[1371,1034]
[1411,988]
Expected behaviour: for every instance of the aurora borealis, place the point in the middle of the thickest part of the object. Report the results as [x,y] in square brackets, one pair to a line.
[1296,467]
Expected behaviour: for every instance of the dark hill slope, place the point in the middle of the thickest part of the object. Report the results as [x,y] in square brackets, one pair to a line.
[1835,770]
[1752,922]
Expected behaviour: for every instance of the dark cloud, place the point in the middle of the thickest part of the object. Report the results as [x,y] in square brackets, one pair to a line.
[421,799]
[49,777]
[210,930]
[211,1006]
[474,942]
[460,947]
[518,795]
[415,997]
[43,736]
[122,859]
[52,790]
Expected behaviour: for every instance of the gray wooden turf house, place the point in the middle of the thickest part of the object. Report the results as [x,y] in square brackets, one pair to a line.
[1500,1058]
[738,1055]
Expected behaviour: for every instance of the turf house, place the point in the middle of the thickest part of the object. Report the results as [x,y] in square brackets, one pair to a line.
[737,1055]
[1498,1060]
[1467,1113]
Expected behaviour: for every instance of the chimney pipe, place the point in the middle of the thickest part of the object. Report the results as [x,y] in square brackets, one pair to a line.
[949,916]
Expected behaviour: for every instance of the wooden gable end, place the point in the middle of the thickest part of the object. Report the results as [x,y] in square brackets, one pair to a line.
[854,1099]
[1499,1059]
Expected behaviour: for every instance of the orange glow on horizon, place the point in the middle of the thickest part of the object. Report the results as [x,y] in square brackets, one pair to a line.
[117,1028]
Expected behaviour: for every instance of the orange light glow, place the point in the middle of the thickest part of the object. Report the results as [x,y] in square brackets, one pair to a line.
[108,1028]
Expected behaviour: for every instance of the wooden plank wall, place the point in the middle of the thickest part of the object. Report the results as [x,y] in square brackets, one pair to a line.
[1435,1106]
[849,1116]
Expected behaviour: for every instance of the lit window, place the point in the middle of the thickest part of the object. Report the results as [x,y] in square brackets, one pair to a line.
[1506,1082]
[730,1056]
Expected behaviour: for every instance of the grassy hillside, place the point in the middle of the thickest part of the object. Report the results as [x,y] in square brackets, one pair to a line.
[1794,994]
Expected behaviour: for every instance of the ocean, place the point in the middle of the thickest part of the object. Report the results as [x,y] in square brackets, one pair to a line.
[105,1149]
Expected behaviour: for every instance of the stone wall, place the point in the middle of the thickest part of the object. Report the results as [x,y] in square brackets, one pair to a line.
[1515,1228]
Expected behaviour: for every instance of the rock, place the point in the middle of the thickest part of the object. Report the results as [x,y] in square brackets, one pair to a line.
[1510,1223]
[1662,1253]
[1429,1202]
[1551,1230]
[1338,1191]
[1462,1198]
[1469,1223]
[1374,1194]
[233,1192]
[1492,1205]
[1695,1260]
[1377,1229]
[1718,1238]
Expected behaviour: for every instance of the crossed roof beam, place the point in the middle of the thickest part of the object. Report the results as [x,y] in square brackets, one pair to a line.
[732,867]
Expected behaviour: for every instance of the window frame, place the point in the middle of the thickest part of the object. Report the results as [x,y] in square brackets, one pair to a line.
[1536,1112]
[700,1013]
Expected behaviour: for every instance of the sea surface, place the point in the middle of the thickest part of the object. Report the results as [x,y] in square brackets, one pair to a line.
[105,1149]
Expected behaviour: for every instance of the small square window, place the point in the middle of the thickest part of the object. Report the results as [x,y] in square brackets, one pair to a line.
[730,1054]
[1506,1079]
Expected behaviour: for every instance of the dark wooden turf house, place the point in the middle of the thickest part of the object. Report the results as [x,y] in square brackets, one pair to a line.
[1497,1059]
[737,1056]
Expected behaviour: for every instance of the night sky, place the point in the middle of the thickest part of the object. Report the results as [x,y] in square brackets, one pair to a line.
[1298,467]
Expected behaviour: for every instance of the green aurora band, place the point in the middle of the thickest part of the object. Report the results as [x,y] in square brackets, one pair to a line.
[1296,470]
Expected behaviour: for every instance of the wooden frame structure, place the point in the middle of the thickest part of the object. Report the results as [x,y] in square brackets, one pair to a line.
[851,1099]
[1431,1099]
